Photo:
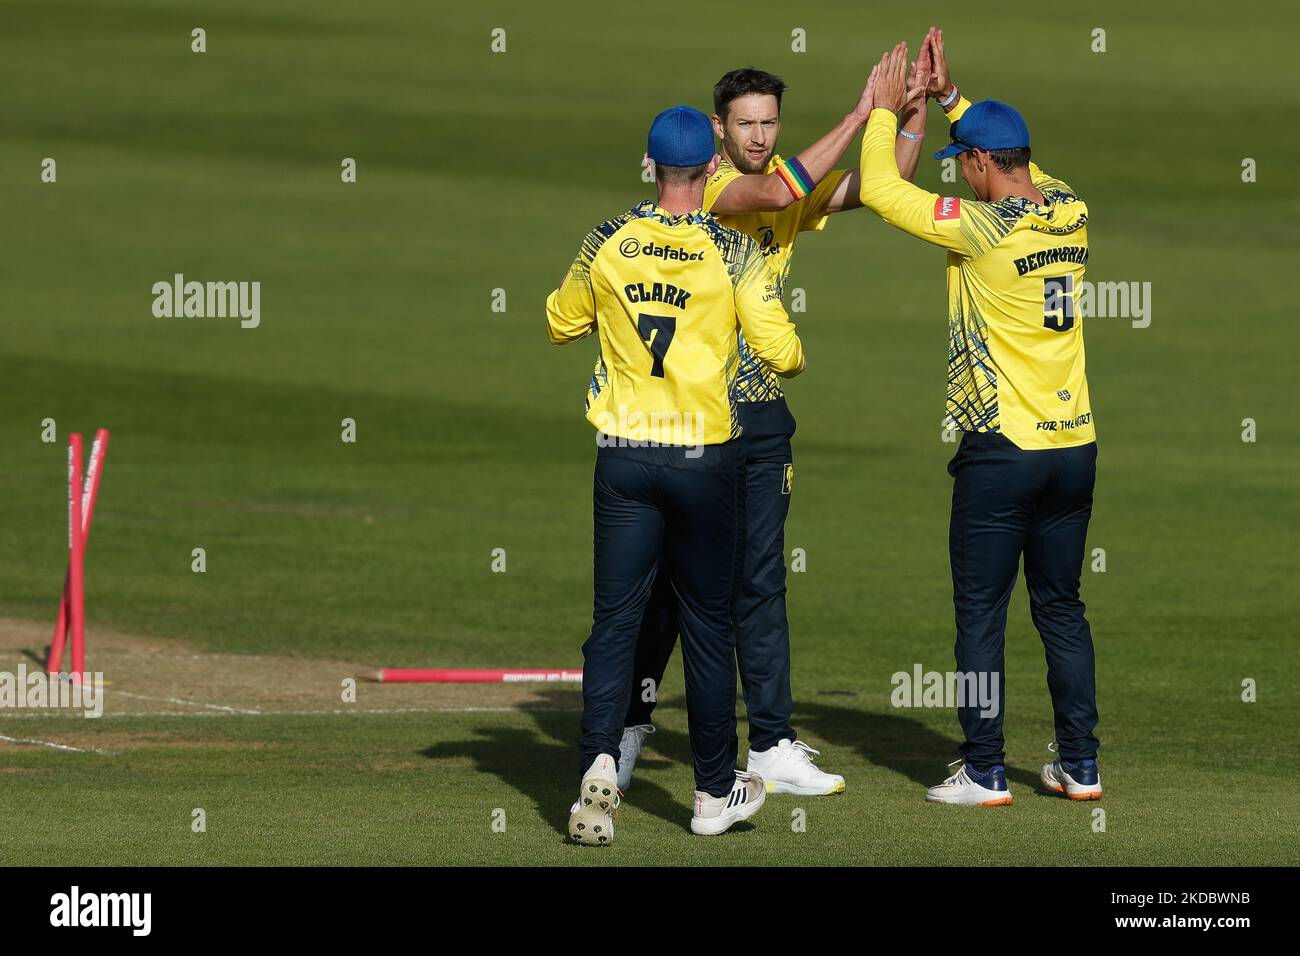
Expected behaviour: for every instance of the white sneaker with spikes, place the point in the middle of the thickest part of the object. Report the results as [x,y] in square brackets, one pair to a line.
[591,819]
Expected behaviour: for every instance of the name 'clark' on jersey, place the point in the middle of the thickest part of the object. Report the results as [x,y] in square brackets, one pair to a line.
[672,294]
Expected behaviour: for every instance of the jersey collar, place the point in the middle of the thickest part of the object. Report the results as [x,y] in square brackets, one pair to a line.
[648,209]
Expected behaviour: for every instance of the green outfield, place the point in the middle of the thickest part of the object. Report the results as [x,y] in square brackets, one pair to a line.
[479,171]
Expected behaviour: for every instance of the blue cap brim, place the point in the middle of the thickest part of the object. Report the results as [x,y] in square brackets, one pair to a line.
[952,149]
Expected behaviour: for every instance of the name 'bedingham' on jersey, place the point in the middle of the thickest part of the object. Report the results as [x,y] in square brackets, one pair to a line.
[1015,273]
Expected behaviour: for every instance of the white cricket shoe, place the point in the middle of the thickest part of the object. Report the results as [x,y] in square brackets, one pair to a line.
[788,768]
[591,819]
[629,748]
[714,815]
[969,788]
[1078,781]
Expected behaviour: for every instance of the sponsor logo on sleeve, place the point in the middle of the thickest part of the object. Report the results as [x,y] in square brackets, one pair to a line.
[947,207]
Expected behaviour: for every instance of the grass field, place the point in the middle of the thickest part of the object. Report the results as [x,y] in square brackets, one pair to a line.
[479,171]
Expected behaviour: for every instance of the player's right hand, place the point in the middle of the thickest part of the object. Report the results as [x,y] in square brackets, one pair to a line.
[940,81]
[867,102]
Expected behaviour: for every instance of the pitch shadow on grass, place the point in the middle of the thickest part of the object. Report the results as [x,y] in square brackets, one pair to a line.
[542,764]
[647,796]
[902,744]
[898,743]
[523,760]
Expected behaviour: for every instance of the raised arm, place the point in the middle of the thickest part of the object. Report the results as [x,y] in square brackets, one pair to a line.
[800,176]
[907,147]
[911,127]
[923,214]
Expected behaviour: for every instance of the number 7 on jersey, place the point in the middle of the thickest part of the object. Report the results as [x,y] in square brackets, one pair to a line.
[658,331]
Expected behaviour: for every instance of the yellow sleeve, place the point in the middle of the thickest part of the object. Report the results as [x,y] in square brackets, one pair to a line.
[1042,180]
[571,309]
[926,215]
[813,207]
[719,181]
[768,329]
[962,106]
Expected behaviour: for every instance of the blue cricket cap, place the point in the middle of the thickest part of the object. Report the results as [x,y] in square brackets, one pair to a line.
[681,136]
[989,125]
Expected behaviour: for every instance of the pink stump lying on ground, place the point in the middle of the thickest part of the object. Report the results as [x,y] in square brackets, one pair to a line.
[394,675]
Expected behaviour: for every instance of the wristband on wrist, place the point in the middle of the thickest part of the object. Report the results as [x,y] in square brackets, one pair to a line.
[795,177]
[906,135]
[951,98]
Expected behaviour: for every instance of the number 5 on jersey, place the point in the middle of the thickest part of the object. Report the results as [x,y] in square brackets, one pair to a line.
[658,331]
[1058,303]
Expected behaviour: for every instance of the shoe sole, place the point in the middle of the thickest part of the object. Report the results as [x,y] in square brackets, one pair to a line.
[713,826]
[592,824]
[775,786]
[1006,801]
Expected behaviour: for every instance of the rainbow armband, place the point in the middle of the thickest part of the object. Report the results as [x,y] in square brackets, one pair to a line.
[795,177]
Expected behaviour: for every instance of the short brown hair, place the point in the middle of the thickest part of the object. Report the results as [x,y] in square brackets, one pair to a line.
[744,82]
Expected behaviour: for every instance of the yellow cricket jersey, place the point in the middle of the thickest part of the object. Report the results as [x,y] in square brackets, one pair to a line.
[775,233]
[666,295]
[1015,272]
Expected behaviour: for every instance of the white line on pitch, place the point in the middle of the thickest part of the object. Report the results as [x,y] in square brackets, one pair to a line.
[191,703]
[316,713]
[54,746]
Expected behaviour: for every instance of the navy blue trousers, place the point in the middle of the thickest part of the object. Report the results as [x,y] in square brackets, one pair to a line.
[1007,502]
[649,501]
[762,627]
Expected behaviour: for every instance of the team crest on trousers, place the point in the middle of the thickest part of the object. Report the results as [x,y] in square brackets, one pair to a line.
[787,482]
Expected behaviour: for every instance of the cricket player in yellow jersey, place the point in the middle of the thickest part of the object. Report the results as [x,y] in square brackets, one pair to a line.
[1025,469]
[772,200]
[672,288]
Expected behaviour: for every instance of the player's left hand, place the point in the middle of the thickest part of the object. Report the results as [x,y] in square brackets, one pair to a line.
[924,60]
[892,92]
[918,84]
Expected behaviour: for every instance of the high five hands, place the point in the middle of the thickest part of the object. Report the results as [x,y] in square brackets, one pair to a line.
[897,86]
[940,84]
